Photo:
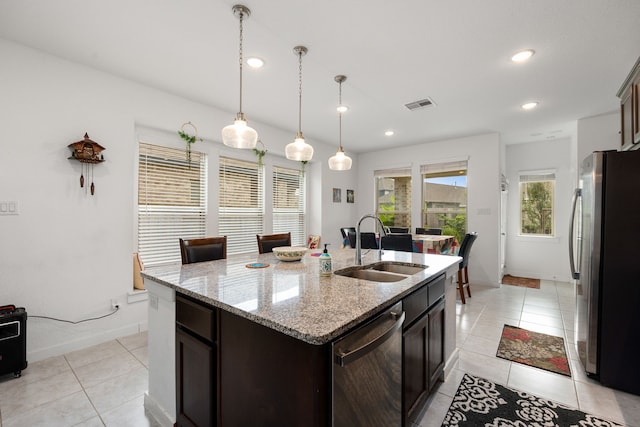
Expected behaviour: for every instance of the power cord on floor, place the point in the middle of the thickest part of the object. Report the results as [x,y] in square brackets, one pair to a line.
[115,310]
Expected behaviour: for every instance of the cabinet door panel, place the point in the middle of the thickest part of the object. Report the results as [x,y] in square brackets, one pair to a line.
[415,375]
[626,117]
[195,398]
[436,343]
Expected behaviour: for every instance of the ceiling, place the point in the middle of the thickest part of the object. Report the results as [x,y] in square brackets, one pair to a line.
[393,52]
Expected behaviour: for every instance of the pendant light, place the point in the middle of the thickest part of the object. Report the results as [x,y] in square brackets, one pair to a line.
[340,162]
[298,149]
[239,135]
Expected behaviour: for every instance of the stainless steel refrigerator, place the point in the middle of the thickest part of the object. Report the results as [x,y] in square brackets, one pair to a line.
[605,264]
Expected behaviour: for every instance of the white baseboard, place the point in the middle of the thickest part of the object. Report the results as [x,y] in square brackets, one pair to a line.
[451,362]
[157,412]
[84,342]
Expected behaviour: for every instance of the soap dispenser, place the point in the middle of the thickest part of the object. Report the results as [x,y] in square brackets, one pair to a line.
[325,262]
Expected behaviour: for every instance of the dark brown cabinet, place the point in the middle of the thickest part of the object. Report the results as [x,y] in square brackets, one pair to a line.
[422,347]
[196,364]
[233,371]
[629,95]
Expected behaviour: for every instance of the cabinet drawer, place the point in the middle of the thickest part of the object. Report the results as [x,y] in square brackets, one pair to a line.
[415,304]
[196,317]
[436,290]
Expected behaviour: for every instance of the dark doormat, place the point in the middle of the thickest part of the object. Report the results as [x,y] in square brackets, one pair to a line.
[523,282]
[534,349]
[480,402]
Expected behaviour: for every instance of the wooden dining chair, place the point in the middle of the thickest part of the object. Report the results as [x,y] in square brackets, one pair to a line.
[397,242]
[463,271]
[203,249]
[266,242]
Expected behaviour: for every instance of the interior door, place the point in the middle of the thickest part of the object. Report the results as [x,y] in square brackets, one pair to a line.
[503,230]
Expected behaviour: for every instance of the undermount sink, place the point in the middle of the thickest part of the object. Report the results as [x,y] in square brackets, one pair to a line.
[394,267]
[384,271]
[373,275]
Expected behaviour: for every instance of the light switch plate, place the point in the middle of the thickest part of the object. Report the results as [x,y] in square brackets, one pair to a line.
[9,207]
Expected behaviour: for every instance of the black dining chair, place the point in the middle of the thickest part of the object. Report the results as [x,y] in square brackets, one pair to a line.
[430,231]
[367,240]
[266,242]
[203,249]
[345,231]
[463,271]
[402,230]
[397,242]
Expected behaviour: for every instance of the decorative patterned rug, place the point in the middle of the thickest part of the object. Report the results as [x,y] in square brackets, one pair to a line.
[479,402]
[524,282]
[534,349]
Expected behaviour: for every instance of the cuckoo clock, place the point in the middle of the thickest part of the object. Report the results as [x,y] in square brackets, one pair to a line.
[87,152]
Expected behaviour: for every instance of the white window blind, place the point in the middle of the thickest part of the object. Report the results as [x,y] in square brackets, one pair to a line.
[172,201]
[447,168]
[241,206]
[289,204]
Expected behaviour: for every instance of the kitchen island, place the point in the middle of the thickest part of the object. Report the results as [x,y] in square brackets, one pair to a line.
[257,311]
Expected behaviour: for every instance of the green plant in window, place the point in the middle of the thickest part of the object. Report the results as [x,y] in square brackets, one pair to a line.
[260,153]
[454,226]
[537,204]
[189,139]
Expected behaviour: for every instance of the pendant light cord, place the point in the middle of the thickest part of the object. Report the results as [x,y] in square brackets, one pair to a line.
[241,54]
[340,113]
[300,92]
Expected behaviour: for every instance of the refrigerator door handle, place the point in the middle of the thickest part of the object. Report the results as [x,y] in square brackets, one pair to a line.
[576,195]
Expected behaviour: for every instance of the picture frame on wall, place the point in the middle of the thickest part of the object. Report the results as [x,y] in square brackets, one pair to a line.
[337,195]
[350,196]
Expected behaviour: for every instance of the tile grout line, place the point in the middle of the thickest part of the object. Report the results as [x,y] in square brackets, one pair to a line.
[85,393]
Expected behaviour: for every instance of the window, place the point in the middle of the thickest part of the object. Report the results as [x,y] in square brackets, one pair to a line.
[444,197]
[537,203]
[393,197]
[171,201]
[241,206]
[289,204]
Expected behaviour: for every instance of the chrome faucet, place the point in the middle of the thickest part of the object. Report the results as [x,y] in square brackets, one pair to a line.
[359,239]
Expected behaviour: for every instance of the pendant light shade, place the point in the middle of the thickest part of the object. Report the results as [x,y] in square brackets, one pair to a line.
[299,150]
[340,162]
[239,134]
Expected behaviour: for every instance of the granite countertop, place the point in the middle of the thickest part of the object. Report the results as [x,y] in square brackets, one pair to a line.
[291,297]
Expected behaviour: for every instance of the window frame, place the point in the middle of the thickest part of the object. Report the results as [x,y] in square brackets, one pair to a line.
[180,220]
[240,238]
[529,177]
[297,227]
[392,174]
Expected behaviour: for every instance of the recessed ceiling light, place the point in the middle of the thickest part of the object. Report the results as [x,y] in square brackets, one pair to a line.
[529,105]
[342,108]
[523,55]
[389,133]
[255,62]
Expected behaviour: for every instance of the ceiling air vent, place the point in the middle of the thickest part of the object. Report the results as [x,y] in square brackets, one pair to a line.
[423,103]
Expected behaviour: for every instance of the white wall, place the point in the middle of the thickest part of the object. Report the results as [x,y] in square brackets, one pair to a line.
[67,253]
[540,257]
[483,177]
[598,133]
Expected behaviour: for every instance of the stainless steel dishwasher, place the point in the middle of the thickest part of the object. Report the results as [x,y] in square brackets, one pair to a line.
[367,373]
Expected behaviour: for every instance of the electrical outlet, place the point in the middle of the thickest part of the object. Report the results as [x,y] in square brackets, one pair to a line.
[114,304]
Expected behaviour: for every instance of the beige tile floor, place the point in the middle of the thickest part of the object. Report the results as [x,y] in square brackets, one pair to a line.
[548,310]
[104,385]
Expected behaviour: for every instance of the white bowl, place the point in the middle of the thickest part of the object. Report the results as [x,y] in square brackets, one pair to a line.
[290,253]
